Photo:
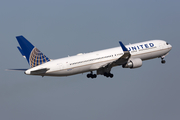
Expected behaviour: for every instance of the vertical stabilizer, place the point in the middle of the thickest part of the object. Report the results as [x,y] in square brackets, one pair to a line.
[34,56]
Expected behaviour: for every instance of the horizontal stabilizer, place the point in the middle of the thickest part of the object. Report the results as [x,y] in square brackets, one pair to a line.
[16,69]
[40,71]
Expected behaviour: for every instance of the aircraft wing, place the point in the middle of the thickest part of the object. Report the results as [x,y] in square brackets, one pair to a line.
[120,61]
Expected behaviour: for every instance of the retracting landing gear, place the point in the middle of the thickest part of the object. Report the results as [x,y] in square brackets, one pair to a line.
[108,75]
[91,75]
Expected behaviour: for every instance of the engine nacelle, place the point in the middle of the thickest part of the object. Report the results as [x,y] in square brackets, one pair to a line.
[133,63]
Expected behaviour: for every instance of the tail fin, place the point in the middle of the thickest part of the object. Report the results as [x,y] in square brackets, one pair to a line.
[31,53]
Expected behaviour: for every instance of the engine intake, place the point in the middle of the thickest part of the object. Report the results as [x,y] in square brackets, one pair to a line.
[133,63]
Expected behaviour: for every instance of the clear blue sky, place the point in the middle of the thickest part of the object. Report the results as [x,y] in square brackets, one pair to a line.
[66,27]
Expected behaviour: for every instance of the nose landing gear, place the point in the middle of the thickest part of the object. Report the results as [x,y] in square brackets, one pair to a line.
[162,60]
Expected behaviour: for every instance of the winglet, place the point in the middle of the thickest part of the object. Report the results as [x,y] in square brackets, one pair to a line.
[122,46]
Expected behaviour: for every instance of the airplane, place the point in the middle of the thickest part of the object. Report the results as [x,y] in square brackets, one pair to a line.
[102,61]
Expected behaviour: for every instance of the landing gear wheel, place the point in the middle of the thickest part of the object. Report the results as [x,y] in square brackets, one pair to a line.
[94,76]
[91,75]
[108,75]
[88,75]
[163,61]
[111,75]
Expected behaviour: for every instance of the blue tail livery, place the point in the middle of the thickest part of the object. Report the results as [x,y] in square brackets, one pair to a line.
[34,56]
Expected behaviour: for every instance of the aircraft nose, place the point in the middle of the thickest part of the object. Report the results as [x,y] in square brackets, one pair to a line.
[170,46]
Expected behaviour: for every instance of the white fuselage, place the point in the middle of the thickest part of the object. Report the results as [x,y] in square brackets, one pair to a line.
[92,61]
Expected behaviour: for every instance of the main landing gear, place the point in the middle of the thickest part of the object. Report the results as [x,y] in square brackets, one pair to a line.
[91,75]
[108,75]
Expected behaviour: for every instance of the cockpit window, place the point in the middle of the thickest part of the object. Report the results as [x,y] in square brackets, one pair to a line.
[167,43]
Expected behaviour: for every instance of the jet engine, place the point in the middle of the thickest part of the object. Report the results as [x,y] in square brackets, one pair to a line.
[133,63]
